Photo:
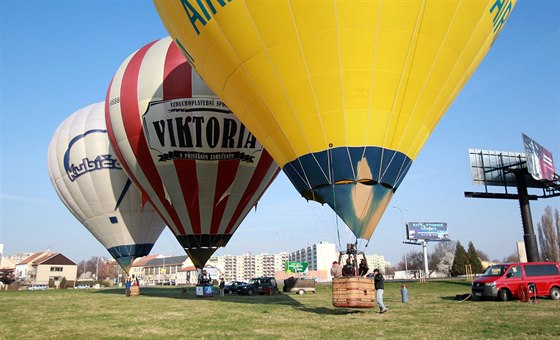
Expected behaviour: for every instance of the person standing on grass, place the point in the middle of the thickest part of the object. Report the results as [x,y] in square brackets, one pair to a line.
[127,287]
[222,286]
[379,280]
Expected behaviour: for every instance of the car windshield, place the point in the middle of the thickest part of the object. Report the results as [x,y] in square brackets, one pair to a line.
[496,270]
[253,281]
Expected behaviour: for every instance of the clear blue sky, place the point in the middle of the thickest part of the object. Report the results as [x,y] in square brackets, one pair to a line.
[59,56]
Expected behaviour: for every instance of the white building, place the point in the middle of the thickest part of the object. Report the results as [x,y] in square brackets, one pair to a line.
[247,266]
[377,261]
[319,256]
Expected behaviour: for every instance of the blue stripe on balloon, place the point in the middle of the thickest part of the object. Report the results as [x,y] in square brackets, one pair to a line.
[332,177]
[130,250]
[311,172]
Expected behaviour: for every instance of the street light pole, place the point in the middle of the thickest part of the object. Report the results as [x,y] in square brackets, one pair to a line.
[402,210]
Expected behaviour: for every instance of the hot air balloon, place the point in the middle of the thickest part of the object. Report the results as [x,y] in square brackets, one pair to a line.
[201,168]
[89,180]
[343,94]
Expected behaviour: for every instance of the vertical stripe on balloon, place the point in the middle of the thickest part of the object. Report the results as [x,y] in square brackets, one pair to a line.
[130,114]
[261,170]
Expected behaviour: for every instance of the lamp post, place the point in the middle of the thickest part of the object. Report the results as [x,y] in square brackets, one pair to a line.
[402,210]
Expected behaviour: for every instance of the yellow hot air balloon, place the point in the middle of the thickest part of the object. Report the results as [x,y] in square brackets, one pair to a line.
[343,94]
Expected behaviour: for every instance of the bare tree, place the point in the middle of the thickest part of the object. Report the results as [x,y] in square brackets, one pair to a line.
[415,262]
[100,265]
[548,230]
[482,255]
[513,257]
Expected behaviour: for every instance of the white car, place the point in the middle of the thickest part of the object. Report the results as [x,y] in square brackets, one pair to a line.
[38,287]
[82,287]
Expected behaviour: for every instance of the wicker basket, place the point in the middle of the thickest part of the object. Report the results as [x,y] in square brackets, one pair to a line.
[353,292]
[134,291]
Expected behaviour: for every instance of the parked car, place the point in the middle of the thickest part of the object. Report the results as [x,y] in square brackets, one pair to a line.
[299,285]
[259,285]
[37,286]
[508,280]
[82,287]
[233,286]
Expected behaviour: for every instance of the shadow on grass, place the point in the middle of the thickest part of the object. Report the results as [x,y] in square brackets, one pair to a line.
[329,311]
[456,282]
[276,299]
[177,293]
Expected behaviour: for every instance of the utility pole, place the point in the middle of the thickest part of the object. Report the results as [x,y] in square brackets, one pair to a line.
[402,210]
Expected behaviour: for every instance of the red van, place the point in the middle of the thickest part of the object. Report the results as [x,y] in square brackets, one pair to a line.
[505,281]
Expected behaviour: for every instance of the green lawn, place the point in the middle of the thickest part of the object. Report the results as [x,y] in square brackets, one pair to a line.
[164,313]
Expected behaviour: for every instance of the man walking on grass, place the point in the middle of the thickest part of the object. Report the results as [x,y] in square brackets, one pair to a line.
[378,281]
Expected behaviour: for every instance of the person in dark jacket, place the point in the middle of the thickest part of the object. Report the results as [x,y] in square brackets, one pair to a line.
[363,268]
[379,287]
[348,269]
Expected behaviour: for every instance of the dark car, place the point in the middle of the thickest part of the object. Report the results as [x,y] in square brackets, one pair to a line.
[259,285]
[233,286]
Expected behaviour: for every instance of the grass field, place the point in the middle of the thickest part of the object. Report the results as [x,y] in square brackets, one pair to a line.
[164,313]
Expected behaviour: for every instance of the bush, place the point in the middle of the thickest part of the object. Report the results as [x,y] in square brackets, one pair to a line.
[63,283]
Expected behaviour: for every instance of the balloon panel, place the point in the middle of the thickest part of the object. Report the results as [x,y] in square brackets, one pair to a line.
[387,70]
[201,168]
[311,77]
[89,180]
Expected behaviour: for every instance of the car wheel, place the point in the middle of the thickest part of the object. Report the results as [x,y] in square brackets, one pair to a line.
[503,295]
[230,292]
[555,293]
[301,292]
[250,292]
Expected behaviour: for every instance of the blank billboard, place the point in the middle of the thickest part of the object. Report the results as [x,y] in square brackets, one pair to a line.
[487,166]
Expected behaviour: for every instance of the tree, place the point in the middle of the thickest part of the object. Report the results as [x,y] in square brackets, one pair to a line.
[459,261]
[473,260]
[415,263]
[442,256]
[482,255]
[103,267]
[548,230]
[7,276]
[513,257]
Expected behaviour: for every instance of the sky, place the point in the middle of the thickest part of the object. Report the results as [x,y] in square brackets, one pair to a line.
[59,56]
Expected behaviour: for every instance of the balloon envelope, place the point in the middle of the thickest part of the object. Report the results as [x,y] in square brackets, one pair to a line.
[343,94]
[89,180]
[202,170]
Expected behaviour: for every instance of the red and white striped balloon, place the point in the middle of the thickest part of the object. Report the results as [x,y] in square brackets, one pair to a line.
[201,169]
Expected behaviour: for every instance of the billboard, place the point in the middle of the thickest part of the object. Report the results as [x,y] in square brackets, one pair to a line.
[539,160]
[487,166]
[433,231]
[296,267]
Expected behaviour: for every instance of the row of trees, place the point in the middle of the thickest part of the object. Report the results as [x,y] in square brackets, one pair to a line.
[447,257]
[452,258]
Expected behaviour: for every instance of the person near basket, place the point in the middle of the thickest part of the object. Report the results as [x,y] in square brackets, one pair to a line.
[379,280]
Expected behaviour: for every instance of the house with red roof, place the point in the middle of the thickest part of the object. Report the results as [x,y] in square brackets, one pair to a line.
[137,268]
[46,267]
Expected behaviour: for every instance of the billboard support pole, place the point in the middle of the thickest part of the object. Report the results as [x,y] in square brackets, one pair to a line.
[529,237]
